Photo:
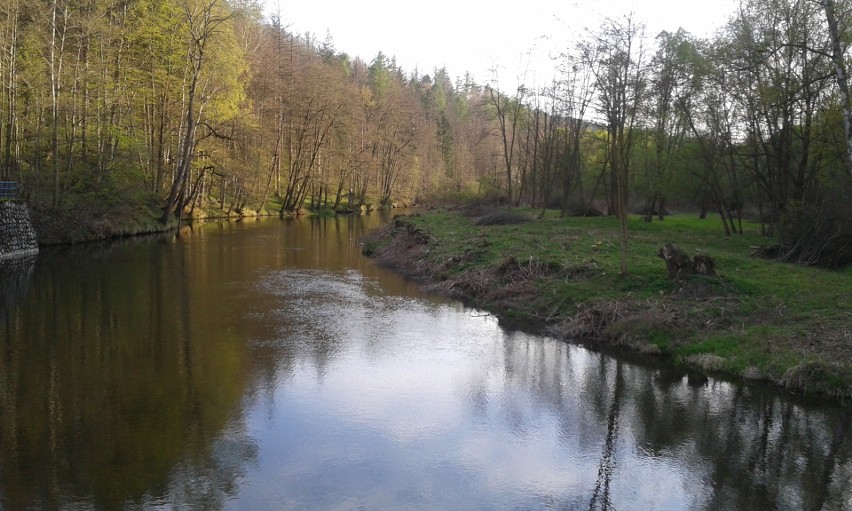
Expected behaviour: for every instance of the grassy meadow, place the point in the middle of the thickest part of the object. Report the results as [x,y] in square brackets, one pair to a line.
[757,319]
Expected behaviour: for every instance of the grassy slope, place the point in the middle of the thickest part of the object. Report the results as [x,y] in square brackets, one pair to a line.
[83,219]
[787,324]
[89,221]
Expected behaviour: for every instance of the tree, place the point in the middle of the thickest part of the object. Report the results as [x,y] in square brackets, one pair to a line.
[617,57]
[508,111]
[60,12]
[780,86]
[711,118]
[669,98]
[314,119]
[10,43]
[575,93]
[840,73]
[206,19]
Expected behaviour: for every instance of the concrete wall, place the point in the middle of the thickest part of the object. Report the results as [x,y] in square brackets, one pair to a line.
[17,236]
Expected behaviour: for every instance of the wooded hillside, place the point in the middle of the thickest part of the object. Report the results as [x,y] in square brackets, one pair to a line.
[178,104]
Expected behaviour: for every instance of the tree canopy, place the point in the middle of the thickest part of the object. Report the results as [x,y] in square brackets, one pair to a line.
[196,103]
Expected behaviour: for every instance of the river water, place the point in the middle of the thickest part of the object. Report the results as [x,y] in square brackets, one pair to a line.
[268,365]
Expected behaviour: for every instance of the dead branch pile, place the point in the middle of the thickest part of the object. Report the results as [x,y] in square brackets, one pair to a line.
[817,234]
[512,271]
[469,286]
[593,318]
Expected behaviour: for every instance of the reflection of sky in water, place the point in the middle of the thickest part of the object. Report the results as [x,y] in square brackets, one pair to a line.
[429,407]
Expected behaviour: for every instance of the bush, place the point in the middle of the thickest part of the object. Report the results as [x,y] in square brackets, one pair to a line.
[816,233]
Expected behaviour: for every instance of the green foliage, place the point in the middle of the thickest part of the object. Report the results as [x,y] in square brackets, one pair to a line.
[276,111]
[380,74]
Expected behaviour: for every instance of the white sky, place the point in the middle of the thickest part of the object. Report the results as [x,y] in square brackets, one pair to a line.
[477,35]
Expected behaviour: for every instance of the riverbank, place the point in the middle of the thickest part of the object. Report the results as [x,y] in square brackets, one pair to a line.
[82,219]
[757,320]
[84,222]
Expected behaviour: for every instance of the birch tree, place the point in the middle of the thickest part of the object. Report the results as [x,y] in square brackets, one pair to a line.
[205,21]
[838,50]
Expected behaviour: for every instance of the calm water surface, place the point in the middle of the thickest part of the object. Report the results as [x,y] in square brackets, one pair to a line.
[268,365]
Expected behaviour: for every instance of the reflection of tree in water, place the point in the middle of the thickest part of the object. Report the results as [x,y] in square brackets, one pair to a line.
[100,396]
[741,447]
[601,495]
[767,453]
[208,480]
[15,276]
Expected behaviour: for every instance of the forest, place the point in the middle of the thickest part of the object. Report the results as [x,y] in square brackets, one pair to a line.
[113,107]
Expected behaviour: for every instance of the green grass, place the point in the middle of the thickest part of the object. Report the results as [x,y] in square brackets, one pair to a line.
[758,318]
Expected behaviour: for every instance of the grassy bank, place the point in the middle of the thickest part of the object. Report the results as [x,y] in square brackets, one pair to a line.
[759,320]
[84,216]
[83,219]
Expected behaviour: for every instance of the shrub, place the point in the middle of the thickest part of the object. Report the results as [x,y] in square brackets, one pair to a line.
[817,233]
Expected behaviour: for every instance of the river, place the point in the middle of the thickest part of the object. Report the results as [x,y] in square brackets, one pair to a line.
[268,365]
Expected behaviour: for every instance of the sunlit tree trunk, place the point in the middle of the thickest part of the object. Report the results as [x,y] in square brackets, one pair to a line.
[204,19]
[59,15]
[9,42]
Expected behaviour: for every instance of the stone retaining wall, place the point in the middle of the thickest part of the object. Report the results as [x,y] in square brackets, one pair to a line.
[17,236]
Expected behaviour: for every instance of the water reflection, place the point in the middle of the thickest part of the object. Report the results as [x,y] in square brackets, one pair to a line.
[664,440]
[113,370]
[421,405]
[15,275]
[267,365]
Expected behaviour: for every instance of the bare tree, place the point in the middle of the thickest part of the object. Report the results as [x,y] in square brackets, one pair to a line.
[621,79]
[575,93]
[840,73]
[508,110]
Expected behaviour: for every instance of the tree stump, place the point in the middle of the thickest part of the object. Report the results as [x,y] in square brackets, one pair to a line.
[680,266]
[704,265]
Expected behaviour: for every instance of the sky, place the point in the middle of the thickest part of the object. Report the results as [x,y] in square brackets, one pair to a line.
[478,36]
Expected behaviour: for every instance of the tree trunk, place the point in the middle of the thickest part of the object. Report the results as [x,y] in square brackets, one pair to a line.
[837,58]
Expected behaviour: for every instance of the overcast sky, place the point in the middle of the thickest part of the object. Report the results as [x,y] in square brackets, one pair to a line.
[475,36]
